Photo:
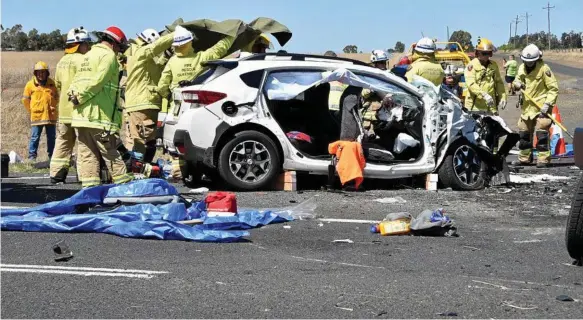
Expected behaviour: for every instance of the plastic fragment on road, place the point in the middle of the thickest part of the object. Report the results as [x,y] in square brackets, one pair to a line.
[343,241]
[427,223]
[535,178]
[394,200]
[86,212]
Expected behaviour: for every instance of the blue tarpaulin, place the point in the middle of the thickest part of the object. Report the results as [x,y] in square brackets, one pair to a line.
[137,220]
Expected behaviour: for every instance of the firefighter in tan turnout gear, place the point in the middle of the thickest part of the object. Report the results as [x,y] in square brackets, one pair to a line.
[142,102]
[484,82]
[94,93]
[538,81]
[77,44]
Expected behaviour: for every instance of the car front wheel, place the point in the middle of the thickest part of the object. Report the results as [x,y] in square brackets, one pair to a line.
[462,169]
[250,161]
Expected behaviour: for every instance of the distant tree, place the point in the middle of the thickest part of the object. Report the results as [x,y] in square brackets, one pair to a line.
[57,40]
[464,38]
[399,46]
[350,49]
[391,50]
[20,41]
[33,40]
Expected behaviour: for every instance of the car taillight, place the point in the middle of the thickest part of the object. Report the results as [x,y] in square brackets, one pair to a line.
[181,148]
[201,98]
[159,124]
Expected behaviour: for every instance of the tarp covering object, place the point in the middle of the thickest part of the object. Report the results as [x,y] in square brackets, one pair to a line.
[136,220]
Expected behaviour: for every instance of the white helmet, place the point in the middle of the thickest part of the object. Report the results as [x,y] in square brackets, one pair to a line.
[181,36]
[78,35]
[378,56]
[530,53]
[149,35]
[425,45]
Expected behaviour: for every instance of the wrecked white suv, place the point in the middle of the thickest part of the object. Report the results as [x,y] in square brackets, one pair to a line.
[249,119]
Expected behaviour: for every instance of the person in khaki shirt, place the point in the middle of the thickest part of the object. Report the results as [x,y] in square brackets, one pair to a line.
[538,81]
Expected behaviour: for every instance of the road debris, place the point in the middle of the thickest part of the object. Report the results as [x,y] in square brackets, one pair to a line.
[447,314]
[511,305]
[394,200]
[564,298]
[200,190]
[343,241]
[62,251]
[523,178]
[287,227]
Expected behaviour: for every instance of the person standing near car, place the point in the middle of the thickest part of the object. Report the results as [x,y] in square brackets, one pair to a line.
[511,67]
[424,63]
[186,65]
[538,81]
[372,101]
[144,69]
[484,82]
[94,93]
[40,98]
[77,44]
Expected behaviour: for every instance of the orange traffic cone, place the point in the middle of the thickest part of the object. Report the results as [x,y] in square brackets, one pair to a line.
[560,147]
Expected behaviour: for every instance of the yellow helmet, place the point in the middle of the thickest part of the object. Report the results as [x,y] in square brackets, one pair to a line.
[263,39]
[484,45]
[41,65]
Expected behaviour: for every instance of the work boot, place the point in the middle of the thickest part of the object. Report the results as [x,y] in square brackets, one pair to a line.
[542,165]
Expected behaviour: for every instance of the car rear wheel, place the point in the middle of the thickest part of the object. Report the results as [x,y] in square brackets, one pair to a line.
[462,169]
[574,232]
[250,161]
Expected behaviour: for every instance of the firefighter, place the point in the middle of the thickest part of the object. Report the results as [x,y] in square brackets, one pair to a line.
[77,44]
[94,93]
[484,82]
[537,80]
[40,98]
[424,63]
[336,90]
[372,101]
[186,64]
[143,103]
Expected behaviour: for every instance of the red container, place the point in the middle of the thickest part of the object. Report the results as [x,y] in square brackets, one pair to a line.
[221,204]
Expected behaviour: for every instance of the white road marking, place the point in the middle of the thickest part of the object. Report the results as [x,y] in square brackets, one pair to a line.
[81,271]
[339,263]
[349,221]
[528,241]
[11,207]
[26,178]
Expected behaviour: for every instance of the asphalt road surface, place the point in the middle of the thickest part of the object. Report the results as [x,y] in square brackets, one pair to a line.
[509,261]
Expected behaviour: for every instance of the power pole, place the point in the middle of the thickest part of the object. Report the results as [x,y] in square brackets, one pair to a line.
[548,8]
[527,15]
[510,37]
[516,21]
[447,33]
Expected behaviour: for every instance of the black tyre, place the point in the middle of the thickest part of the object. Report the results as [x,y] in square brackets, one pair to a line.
[250,161]
[462,169]
[191,175]
[574,233]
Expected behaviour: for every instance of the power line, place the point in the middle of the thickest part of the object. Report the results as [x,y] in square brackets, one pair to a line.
[548,8]
[527,16]
[516,21]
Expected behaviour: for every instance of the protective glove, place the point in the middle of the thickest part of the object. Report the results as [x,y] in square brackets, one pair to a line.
[545,108]
[489,99]
[502,105]
[517,85]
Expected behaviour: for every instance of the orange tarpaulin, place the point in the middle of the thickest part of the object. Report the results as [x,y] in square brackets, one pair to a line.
[351,161]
